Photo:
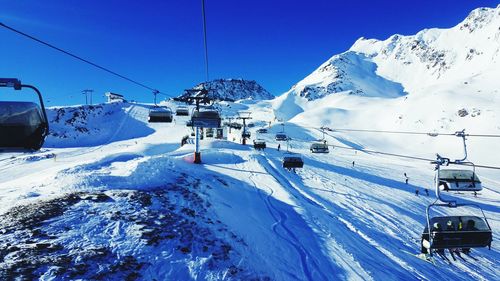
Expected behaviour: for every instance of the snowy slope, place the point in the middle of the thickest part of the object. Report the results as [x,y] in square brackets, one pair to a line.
[235,89]
[137,208]
[113,197]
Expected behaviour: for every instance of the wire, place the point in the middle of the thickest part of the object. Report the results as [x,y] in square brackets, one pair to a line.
[81,59]
[392,132]
[431,134]
[401,155]
[205,37]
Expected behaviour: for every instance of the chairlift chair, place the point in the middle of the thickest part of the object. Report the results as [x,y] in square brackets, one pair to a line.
[464,232]
[319,147]
[23,125]
[206,119]
[259,144]
[182,111]
[459,180]
[262,131]
[281,137]
[292,162]
[160,114]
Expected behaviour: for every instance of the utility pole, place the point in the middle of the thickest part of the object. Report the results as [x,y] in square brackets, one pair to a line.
[86,92]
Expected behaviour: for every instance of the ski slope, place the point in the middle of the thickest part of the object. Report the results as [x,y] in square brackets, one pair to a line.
[129,204]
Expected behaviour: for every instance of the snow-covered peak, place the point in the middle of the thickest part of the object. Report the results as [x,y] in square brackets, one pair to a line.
[235,89]
[350,72]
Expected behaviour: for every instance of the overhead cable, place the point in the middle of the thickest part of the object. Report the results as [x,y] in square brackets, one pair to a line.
[81,59]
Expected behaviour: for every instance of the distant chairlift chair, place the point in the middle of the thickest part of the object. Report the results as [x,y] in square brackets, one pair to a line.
[182,111]
[206,119]
[160,114]
[259,144]
[292,162]
[319,147]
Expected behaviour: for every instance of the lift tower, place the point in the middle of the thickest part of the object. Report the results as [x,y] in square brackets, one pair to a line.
[201,96]
[244,135]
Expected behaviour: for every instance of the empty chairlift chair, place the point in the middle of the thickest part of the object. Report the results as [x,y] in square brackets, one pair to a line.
[23,125]
[206,119]
[292,162]
[281,137]
[459,180]
[160,114]
[182,111]
[259,144]
[319,147]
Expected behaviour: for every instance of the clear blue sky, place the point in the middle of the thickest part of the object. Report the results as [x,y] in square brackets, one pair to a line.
[159,43]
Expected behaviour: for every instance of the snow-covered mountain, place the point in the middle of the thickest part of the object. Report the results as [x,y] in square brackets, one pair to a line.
[432,62]
[235,89]
[436,80]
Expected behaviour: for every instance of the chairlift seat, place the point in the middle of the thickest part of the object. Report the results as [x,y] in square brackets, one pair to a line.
[290,162]
[206,119]
[259,144]
[459,180]
[478,236]
[160,114]
[319,148]
[22,125]
[262,131]
[280,137]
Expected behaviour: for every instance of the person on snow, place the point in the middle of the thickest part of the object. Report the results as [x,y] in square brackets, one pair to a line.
[279,147]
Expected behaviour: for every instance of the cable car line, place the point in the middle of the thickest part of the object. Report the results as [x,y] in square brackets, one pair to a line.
[81,59]
[401,155]
[205,44]
[431,134]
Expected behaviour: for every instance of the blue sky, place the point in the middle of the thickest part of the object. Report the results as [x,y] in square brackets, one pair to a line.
[159,43]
